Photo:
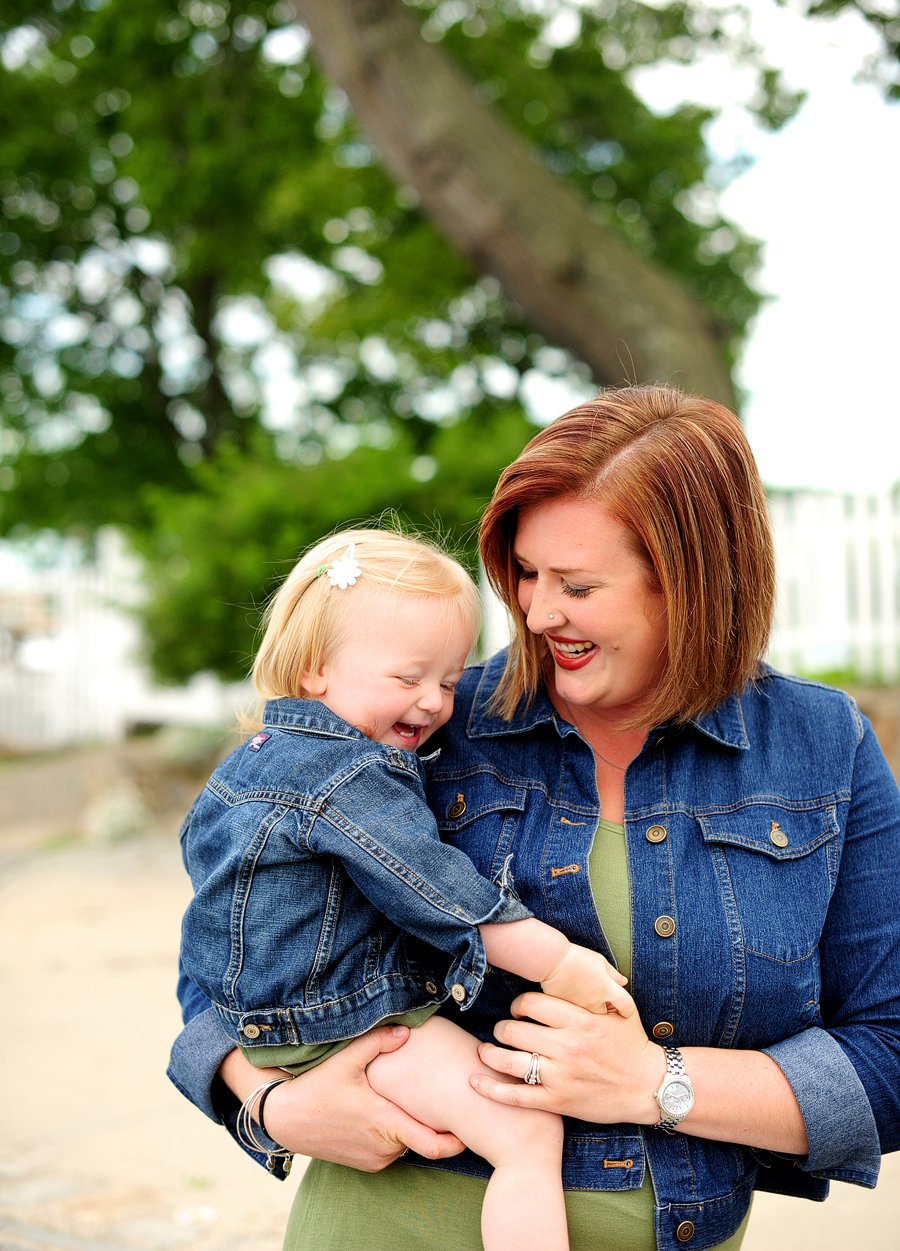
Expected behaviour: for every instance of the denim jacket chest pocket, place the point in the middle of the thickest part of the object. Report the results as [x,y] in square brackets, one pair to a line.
[777,864]
[479,812]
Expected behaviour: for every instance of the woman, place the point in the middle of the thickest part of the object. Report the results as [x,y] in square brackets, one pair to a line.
[728,835]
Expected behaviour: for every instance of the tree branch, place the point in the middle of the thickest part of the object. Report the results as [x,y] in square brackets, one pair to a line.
[576,279]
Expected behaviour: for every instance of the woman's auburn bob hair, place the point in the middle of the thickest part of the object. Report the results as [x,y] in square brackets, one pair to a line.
[677,471]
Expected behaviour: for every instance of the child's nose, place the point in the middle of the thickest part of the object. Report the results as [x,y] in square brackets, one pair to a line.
[431,699]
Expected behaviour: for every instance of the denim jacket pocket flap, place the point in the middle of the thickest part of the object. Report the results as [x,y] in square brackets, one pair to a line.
[777,867]
[777,831]
[457,803]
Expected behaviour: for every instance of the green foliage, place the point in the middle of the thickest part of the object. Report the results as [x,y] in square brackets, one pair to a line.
[164,165]
[217,554]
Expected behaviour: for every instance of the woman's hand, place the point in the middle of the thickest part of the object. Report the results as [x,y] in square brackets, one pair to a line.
[332,1113]
[600,1068]
[605,1069]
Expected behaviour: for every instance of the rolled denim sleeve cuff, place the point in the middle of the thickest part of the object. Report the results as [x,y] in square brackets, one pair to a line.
[465,977]
[193,1067]
[198,1051]
[843,1138]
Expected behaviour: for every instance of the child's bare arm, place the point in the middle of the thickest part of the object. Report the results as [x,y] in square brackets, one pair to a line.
[542,954]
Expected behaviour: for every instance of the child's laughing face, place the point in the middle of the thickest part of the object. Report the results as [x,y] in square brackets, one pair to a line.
[394,674]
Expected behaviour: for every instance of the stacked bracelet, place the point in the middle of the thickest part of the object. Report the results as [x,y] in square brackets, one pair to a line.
[246,1130]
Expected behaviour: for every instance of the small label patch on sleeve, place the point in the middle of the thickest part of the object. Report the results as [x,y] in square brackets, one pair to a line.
[257,741]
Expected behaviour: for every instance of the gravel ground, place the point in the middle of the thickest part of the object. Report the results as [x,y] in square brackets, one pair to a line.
[99,1152]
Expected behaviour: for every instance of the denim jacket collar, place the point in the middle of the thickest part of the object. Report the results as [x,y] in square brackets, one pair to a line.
[725,724]
[308,714]
[313,716]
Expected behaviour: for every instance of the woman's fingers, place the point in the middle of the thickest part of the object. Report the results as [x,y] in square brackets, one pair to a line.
[397,1128]
[516,1096]
[546,1009]
[599,1068]
[514,1063]
[412,1134]
[332,1113]
[362,1050]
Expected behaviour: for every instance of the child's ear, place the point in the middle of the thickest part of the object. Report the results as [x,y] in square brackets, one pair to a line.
[315,682]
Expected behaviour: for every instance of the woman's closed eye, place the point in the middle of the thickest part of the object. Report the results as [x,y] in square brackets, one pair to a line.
[576,592]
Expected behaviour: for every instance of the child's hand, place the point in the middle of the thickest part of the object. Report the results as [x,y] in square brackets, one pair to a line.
[586,978]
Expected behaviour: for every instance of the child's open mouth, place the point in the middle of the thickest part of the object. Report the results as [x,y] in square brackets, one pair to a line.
[410,734]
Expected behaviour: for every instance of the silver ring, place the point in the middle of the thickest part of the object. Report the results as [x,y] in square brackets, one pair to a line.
[533,1076]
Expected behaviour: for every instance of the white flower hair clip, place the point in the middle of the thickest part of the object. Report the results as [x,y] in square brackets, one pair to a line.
[344,571]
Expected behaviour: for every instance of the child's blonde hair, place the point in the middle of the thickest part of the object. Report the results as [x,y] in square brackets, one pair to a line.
[306,619]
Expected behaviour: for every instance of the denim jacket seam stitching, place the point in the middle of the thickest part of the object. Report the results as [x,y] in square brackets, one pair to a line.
[505,779]
[831,798]
[331,913]
[737,947]
[751,951]
[395,866]
[504,842]
[299,1009]
[781,855]
[683,1146]
[240,900]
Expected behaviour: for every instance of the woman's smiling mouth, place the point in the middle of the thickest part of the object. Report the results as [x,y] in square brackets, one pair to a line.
[572,653]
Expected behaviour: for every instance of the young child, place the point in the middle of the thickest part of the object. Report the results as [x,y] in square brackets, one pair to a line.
[325,903]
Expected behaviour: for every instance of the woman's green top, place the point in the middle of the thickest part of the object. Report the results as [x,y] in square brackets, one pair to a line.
[423,1209]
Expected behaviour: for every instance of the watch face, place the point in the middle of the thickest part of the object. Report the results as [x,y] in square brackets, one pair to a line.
[677,1098]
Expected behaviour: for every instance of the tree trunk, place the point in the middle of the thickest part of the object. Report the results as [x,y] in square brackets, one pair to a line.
[576,280]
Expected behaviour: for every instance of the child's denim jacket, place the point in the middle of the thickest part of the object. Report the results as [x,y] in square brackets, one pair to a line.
[764,860]
[324,900]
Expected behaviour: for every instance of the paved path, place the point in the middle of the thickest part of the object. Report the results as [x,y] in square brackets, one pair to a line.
[98,1151]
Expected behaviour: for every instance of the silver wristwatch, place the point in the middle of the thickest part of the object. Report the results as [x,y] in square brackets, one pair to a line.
[676,1094]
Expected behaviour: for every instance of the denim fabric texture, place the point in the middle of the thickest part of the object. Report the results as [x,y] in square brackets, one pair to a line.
[324,900]
[777,867]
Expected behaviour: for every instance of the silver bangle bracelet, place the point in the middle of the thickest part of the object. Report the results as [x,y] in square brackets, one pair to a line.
[246,1127]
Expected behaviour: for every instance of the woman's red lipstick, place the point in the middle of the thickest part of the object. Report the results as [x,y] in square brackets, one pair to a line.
[566,661]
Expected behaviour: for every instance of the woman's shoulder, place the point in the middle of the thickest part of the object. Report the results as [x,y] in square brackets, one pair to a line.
[786,698]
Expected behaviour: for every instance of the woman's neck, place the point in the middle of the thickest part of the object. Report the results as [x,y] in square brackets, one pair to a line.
[611,732]
[614,745]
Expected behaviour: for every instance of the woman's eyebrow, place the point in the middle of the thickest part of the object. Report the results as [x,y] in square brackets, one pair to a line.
[554,568]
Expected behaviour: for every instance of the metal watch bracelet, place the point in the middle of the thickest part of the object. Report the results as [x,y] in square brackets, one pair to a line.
[674,1069]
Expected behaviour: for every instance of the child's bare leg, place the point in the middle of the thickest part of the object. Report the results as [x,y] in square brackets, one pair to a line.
[524,1208]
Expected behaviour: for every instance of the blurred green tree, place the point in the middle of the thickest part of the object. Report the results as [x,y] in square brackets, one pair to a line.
[225,327]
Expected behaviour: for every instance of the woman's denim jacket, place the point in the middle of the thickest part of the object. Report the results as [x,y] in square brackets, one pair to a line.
[307,849]
[764,860]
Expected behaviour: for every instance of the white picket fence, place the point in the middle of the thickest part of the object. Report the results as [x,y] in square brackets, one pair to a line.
[838,560]
[70,656]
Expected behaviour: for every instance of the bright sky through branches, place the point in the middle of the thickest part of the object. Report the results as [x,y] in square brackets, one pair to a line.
[823,408]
